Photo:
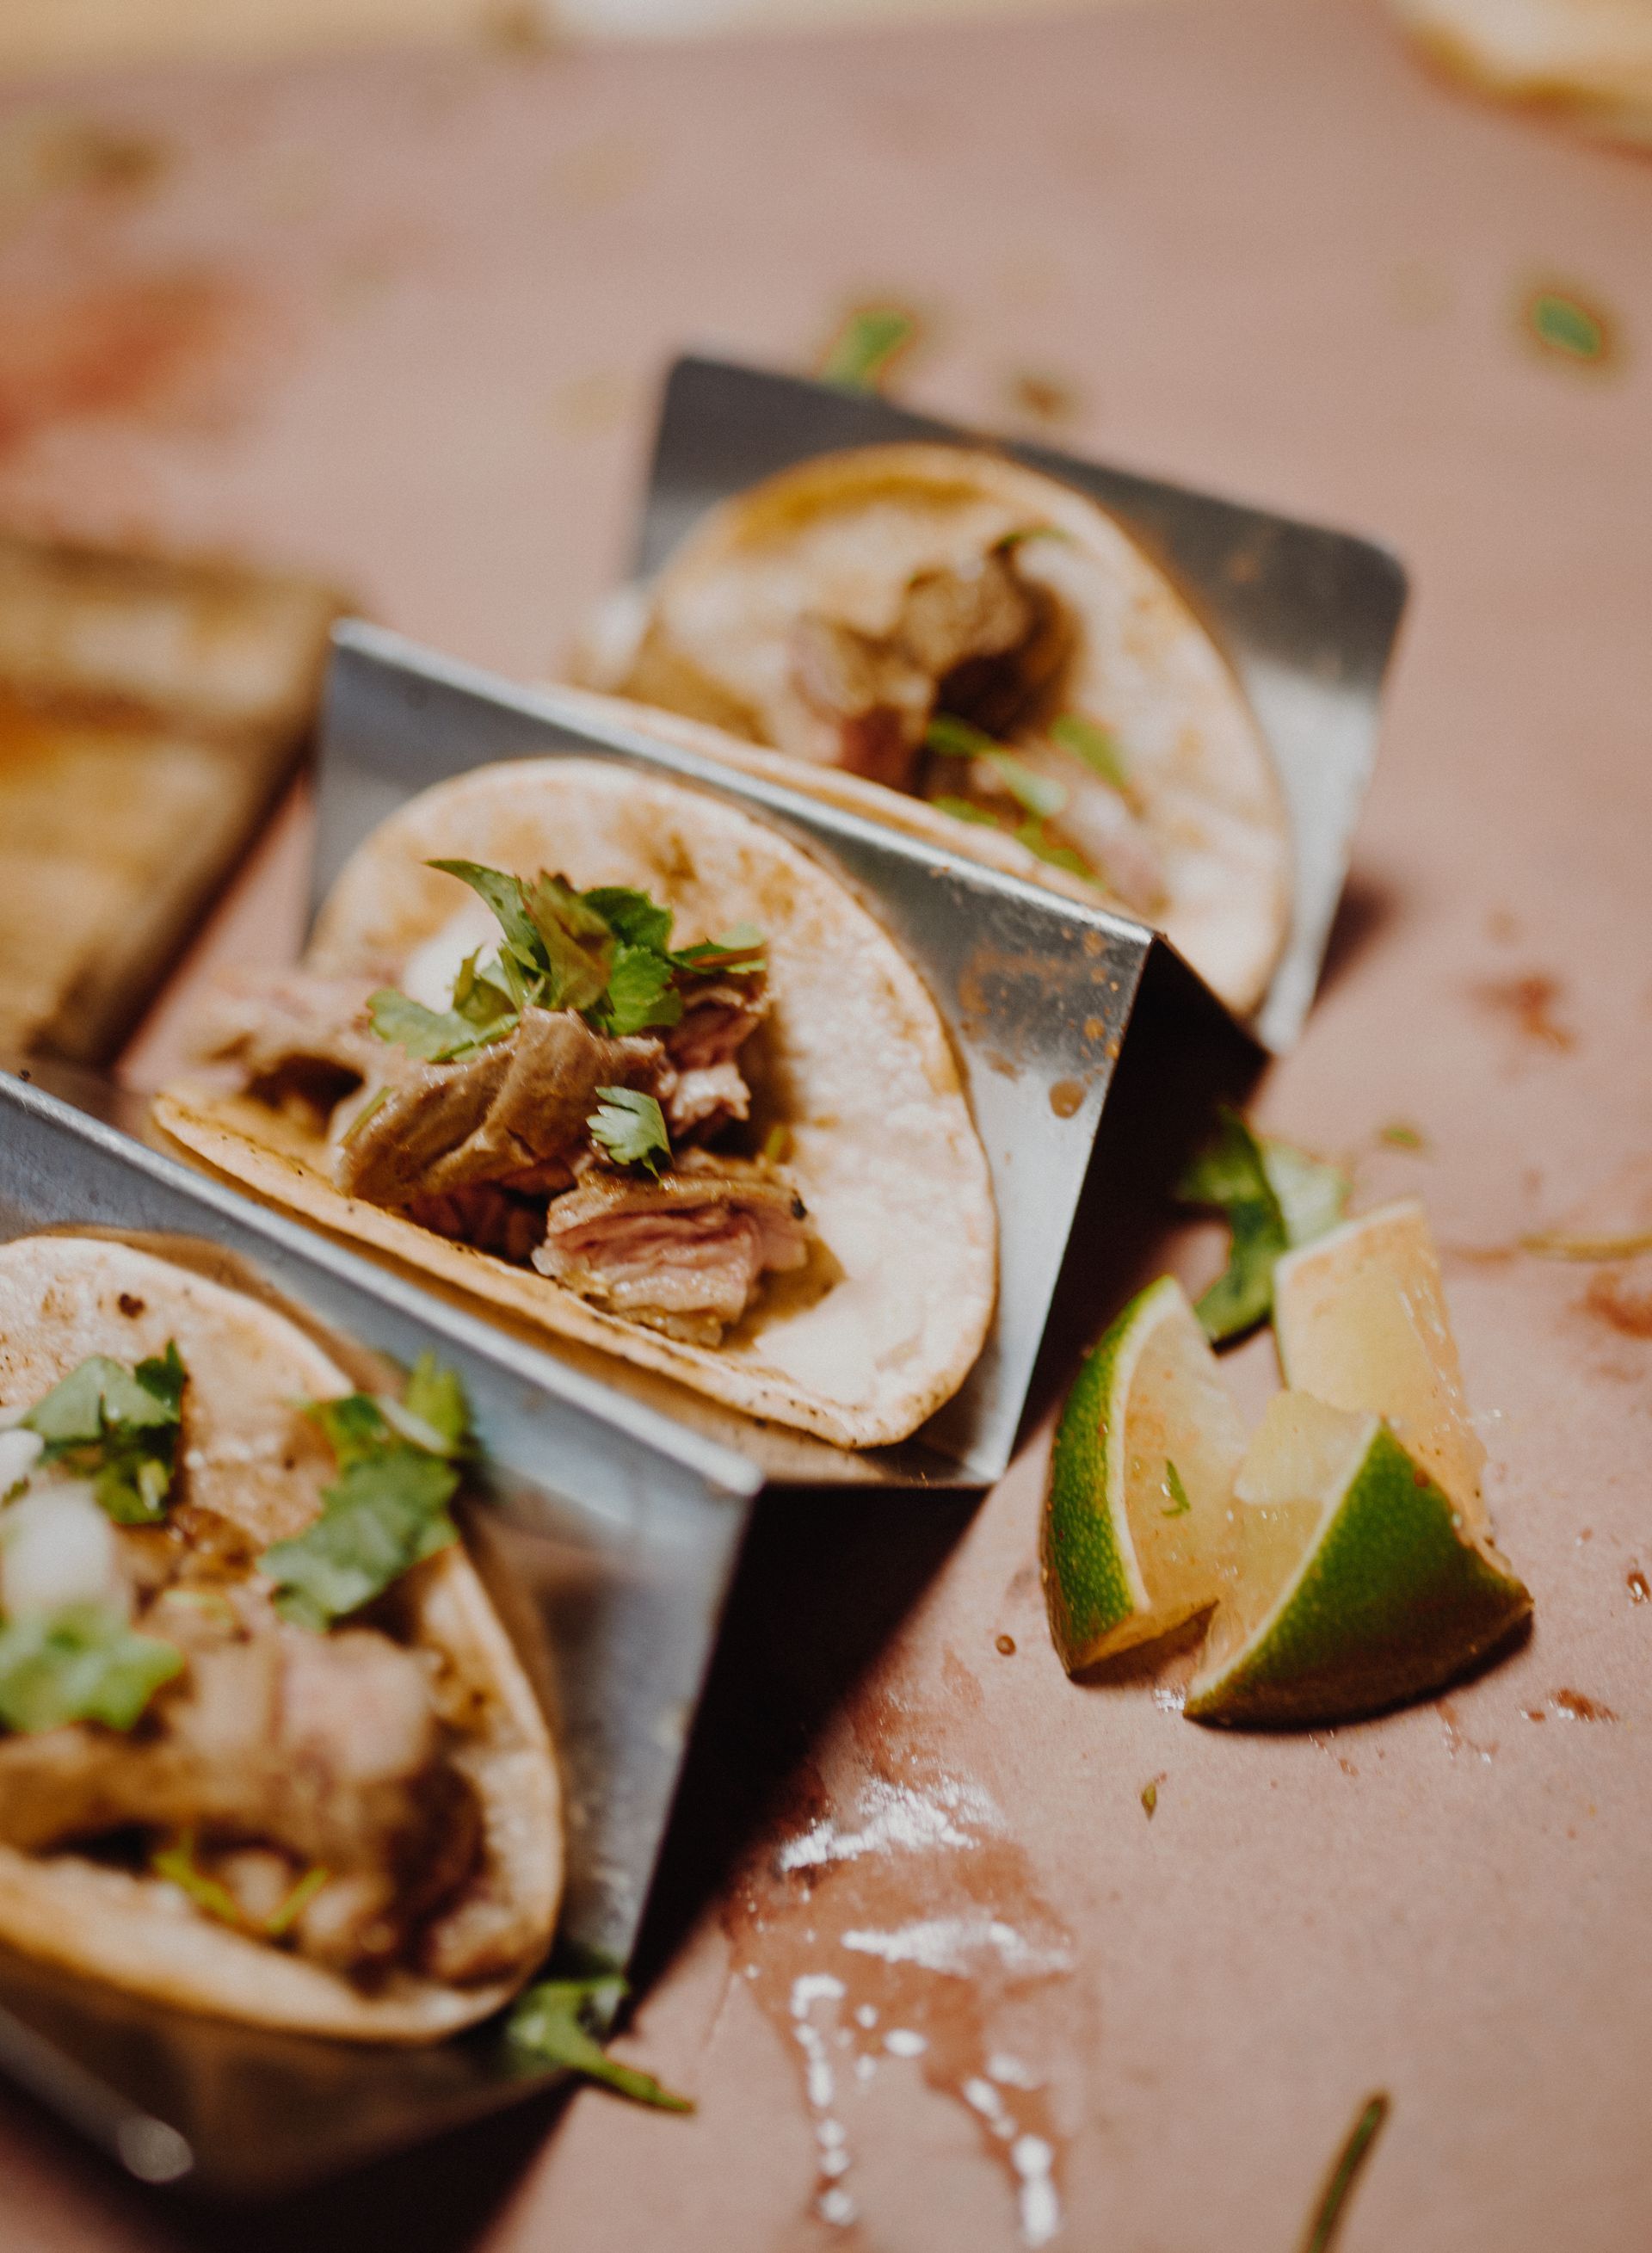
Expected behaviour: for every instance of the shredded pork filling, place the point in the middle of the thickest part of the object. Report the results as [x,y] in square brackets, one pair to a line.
[494,1149]
[279,1755]
[684,1253]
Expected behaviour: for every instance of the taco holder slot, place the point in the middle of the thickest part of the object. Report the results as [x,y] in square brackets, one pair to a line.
[620,1529]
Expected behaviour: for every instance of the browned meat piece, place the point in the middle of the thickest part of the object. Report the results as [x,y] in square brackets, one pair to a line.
[322,1748]
[976,641]
[294,1035]
[877,698]
[513,1115]
[683,1254]
[948,616]
[701,1087]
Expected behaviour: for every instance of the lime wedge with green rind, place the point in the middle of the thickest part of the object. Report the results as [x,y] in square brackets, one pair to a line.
[1360,1316]
[1135,1529]
[1356,1583]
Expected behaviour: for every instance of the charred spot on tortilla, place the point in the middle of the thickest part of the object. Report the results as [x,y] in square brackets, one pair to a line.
[843,608]
[568,1092]
[265,1750]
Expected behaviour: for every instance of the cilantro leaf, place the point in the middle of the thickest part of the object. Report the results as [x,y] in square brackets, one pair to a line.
[436,1396]
[503,893]
[388,1510]
[434,1035]
[576,944]
[119,1427]
[641,992]
[81,1663]
[1037,794]
[551,2025]
[1098,747]
[965,809]
[632,915]
[384,1514]
[867,347]
[1031,835]
[1274,1198]
[1178,1505]
[742,953]
[632,1128]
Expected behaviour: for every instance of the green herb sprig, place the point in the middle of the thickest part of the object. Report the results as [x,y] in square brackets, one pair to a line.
[1040,798]
[1274,1198]
[606,952]
[80,1663]
[388,1510]
[557,2022]
[118,1427]
[631,1127]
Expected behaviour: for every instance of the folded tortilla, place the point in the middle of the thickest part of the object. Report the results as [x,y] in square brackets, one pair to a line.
[834,611]
[250,1455]
[851,1065]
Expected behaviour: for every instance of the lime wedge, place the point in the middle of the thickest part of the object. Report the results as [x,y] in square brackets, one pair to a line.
[1360,1317]
[1355,1581]
[1135,1532]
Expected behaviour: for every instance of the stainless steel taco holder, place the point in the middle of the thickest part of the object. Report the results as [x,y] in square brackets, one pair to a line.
[1306,615]
[613,1533]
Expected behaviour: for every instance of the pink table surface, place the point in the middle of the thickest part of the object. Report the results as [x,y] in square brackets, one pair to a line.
[401,322]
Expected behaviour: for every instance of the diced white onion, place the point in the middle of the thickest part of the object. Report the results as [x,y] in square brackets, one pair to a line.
[57,1547]
[19,1453]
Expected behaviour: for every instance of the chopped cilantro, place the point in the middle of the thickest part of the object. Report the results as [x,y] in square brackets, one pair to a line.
[605,952]
[1563,323]
[1274,1198]
[1098,747]
[552,2024]
[1403,1135]
[1179,1504]
[1033,836]
[641,992]
[177,1866]
[1328,2216]
[118,1426]
[434,1035]
[1035,794]
[81,1663]
[388,1510]
[965,809]
[866,348]
[632,1128]
[632,916]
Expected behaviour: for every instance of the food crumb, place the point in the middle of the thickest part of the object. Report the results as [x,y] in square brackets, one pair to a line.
[1403,1135]
[1150,1794]
[1005,1644]
[1530,1002]
[1639,1587]
[1577,1707]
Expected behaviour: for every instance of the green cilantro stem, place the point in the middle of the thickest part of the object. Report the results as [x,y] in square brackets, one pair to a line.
[551,2024]
[1328,2216]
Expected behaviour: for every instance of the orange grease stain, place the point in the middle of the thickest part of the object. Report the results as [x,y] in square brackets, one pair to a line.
[132,347]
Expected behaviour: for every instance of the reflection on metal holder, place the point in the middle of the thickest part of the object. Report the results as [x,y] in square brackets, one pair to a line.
[610,1535]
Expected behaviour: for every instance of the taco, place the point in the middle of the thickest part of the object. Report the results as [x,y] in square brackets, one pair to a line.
[945,623]
[265,1749]
[618,1059]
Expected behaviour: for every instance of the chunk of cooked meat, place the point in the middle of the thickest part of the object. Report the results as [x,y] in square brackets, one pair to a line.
[512,1114]
[295,1035]
[878,702]
[323,1748]
[701,1087]
[684,1253]
[973,640]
